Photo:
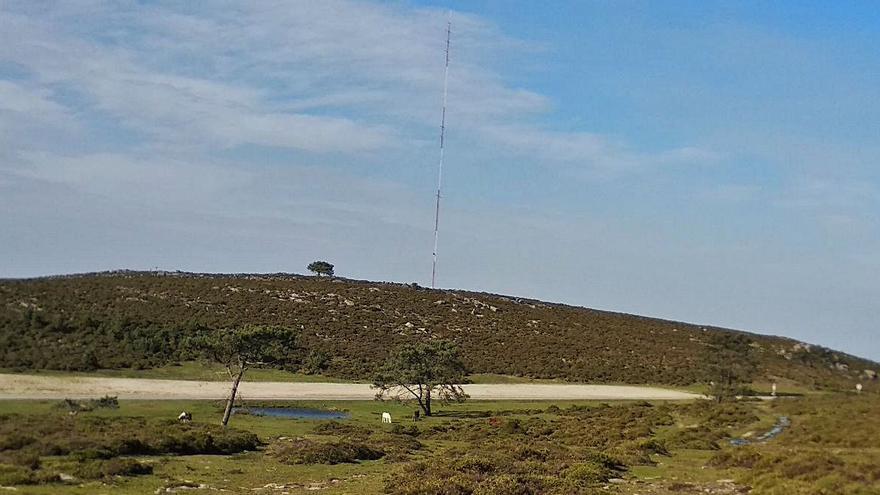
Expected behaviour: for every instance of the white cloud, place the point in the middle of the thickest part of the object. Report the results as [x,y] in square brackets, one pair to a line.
[587,155]
[16,98]
[169,107]
[335,76]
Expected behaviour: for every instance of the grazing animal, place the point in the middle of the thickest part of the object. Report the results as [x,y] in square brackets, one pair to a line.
[386,417]
[185,417]
[859,387]
[416,415]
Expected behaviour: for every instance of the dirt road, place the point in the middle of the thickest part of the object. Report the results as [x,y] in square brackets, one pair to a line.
[13,386]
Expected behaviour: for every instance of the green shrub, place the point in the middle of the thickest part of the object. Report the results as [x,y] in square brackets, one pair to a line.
[19,475]
[589,472]
[103,437]
[107,468]
[529,453]
[605,460]
[698,438]
[16,475]
[453,485]
[106,402]
[653,446]
[304,451]
[739,457]
[399,429]
[28,458]
[512,426]
[505,484]
[395,444]
[479,465]
[15,441]
[341,429]
[92,454]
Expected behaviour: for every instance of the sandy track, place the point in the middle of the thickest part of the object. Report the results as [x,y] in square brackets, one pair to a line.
[55,387]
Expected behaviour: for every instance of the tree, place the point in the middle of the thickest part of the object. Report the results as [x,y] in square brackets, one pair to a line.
[321,268]
[242,348]
[730,365]
[423,372]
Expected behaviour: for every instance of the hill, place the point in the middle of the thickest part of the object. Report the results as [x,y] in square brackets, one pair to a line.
[139,320]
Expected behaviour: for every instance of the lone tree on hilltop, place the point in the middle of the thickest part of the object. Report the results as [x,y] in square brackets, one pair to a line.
[423,372]
[730,365]
[242,348]
[321,268]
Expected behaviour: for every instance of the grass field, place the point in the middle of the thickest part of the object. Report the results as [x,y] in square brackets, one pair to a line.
[473,448]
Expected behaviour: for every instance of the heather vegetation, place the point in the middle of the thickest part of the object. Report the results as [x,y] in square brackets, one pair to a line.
[472,448]
[349,329]
[84,446]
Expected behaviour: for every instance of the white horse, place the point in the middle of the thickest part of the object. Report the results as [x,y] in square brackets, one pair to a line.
[386,417]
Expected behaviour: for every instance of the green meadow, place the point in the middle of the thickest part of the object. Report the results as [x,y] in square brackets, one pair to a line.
[476,447]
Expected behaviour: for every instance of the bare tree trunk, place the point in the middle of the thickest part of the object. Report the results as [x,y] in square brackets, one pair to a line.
[228,411]
[428,400]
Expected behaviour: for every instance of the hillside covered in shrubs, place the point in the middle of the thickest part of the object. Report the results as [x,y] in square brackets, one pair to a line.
[141,320]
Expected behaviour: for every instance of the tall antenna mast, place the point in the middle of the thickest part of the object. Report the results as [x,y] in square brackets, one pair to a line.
[440,164]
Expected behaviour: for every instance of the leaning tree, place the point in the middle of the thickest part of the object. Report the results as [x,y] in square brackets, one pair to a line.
[239,349]
[423,372]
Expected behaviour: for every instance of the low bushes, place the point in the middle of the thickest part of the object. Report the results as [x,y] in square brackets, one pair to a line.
[491,470]
[304,451]
[803,471]
[713,424]
[348,443]
[698,438]
[739,457]
[106,402]
[96,446]
[588,472]
[571,452]
[342,429]
[19,475]
[107,468]
[51,434]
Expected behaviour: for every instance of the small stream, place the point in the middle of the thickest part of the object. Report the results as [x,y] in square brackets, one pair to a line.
[781,424]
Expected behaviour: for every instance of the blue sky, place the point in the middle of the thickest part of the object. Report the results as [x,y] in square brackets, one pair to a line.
[708,162]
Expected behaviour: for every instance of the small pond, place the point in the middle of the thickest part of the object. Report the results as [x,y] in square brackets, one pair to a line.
[293,412]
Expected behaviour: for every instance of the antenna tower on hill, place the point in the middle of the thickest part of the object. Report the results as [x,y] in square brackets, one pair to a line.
[440,165]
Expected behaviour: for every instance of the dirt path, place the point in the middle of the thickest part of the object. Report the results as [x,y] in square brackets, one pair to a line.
[56,387]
